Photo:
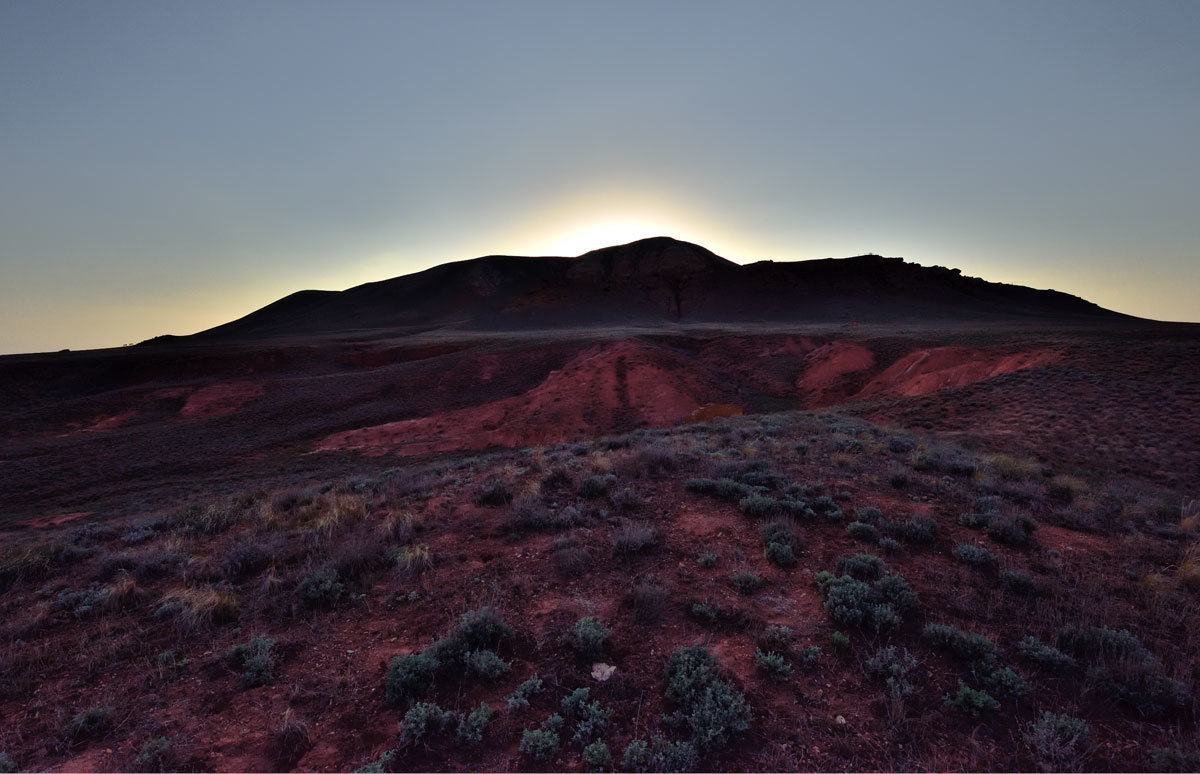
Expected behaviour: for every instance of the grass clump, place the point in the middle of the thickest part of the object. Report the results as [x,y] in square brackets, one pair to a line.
[707,560]
[92,723]
[595,487]
[633,539]
[411,560]
[746,581]
[596,757]
[486,663]
[543,742]
[494,493]
[472,725]
[975,556]
[971,701]
[772,663]
[519,698]
[155,755]
[710,706]
[1058,742]
[409,676]
[426,720]
[256,660]
[587,637]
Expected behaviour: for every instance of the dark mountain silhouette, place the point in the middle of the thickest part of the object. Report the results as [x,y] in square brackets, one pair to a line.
[655,281]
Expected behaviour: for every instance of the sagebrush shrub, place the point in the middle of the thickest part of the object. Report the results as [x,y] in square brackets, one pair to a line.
[426,720]
[588,636]
[92,723]
[965,645]
[486,663]
[542,743]
[1018,583]
[772,663]
[863,567]
[410,676]
[746,581]
[154,755]
[707,704]
[860,530]
[1058,742]
[971,701]
[256,659]
[472,725]
[596,757]
[976,556]
[519,698]
[1033,649]
[321,589]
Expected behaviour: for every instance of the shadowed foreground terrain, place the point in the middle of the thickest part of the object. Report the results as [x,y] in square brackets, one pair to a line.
[653,546]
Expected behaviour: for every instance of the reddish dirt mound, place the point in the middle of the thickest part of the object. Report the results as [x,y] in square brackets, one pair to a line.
[218,399]
[930,370]
[829,363]
[42,522]
[619,385]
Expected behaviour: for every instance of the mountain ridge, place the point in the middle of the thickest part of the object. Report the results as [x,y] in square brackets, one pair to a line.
[657,280]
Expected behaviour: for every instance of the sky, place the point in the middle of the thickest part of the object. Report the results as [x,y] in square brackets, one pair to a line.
[167,166]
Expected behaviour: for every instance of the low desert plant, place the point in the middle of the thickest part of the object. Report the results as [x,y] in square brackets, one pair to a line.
[155,755]
[486,663]
[659,755]
[965,645]
[255,659]
[410,676]
[746,581]
[778,638]
[976,556]
[472,725]
[589,718]
[861,530]
[1033,649]
[633,539]
[707,704]
[587,637]
[519,698]
[971,701]
[412,560]
[493,493]
[863,567]
[1018,583]
[425,720]
[92,723]
[542,743]
[707,560]
[321,588]
[773,664]
[596,757]
[198,608]
[1058,742]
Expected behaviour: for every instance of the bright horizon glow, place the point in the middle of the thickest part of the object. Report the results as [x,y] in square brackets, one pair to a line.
[168,167]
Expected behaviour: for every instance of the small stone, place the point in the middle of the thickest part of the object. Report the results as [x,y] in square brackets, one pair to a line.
[841,721]
[602,671]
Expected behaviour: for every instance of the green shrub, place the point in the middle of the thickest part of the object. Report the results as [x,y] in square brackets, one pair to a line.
[827,507]
[860,530]
[1014,530]
[596,757]
[1018,583]
[846,599]
[868,514]
[864,567]
[808,656]
[633,539]
[896,592]
[660,755]
[1096,642]
[92,723]
[594,487]
[475,630]
[589,718]
[542,743]
[707,561]
[965,645]
[722,489]
[891,666]
[519,698]
[975,520]
[425,720]
[472,725]
[777,637]
[889,545]
[1002,680]
[486,663]
[321,589]
[494,493]
[708,705]
[917,529]
[410,676]
[762,507]
[381,764]
[703,612]
[976,556]
[773,663]
[746,582]
[588,637]
[1059,742]
[256,659]
[839,640]
[971,701]
[1033,649]
[7,765]
[1142,686]
[155,755]
[780,555]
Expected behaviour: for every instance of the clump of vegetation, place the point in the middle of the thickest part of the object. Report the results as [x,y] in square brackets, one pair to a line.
[486,663]
[321,589]
[710,706]
[781,543]
[746,581]
[155,755]
[773,664]
[1174,759]
[763,507]
[1033,649]
[1018,583]
[778,638]
[707,560]
[917,529]
[722,489]
[659,755]
[1012,530]
[472,725]
[648,599]
[864,567]
[861,530]
[596,757]
[409,677]
[543,742]
[892,666]
[494,493]
[412,560]
[976,556]
[588,636]
[92,723]
[853,602]
[1121,667]
[7,765]
[194,609]
[519,698]
[633,539]
[589,718]
[975,520]
[256,660]
[1058,742]
[971,701]
[966,645]
[426,720]
[594,487]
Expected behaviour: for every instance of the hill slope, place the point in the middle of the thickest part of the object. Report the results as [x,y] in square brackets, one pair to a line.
[654,281]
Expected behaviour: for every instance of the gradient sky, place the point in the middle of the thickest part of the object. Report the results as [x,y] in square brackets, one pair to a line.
[167,166]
